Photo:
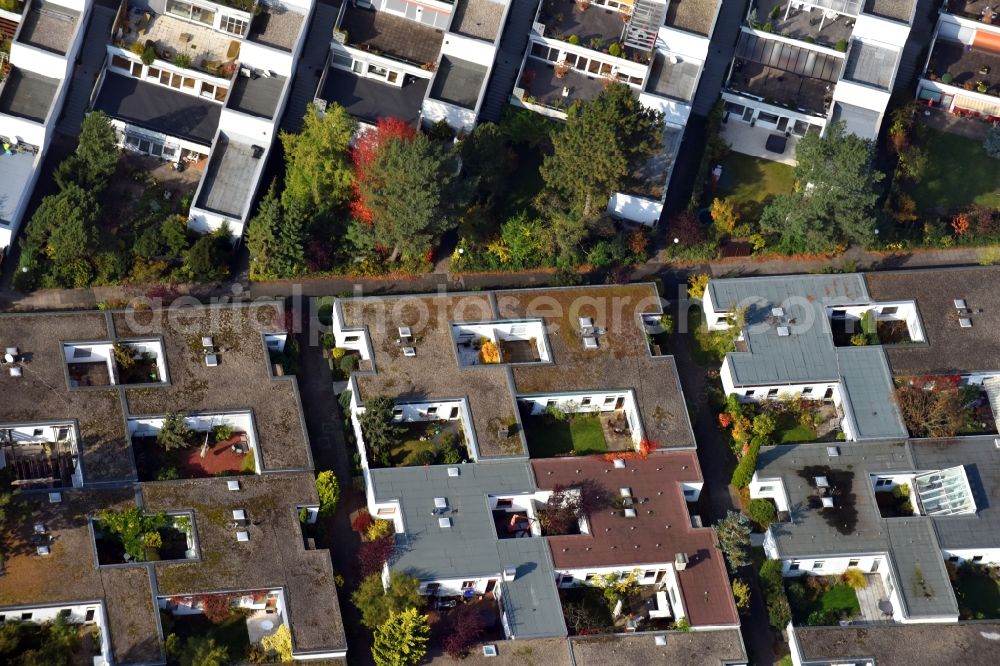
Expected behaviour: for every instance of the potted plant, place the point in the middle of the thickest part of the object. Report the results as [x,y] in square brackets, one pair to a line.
[982,87]
[562,69]
[582,5]
[984,70]
[947,78]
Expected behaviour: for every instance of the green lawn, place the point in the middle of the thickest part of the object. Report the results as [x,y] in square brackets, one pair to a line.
[978,595]
[750,182]
[821,608]
[581,435]
[231,632]
[407,453]
[959,173]
[790,431]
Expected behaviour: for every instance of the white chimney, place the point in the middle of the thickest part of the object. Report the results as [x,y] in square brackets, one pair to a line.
[680,561]
[509,573]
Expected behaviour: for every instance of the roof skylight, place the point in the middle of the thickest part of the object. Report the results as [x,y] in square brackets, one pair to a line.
[945,493]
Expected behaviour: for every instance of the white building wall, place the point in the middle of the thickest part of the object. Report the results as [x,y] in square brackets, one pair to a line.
[458,118]
[39,61]
[674,111]
[858,94]
[990,556]
[683,43]
[880,29]
[264,57]
[467,48]
[772,489]
[452,587]
[635,208]
[77,615]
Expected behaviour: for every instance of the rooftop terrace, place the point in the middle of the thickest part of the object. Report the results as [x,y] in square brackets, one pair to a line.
[697,16]
[368,100]
[563,19]
[48,26]
[174,37]
[27,95]
[870,64]
[478,18]
[229,178]
[277,27]
[784,74]
[539,81]
[964,63]
[392,36]
[256,95]
[458,82]
[677,80]
[15,170]
[807,22]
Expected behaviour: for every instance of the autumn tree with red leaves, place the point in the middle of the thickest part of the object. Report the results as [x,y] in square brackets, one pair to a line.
[464,626]
[400,177]
[373,555]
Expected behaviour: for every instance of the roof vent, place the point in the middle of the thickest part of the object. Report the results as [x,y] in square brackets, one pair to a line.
[509,573]
[626,492]
[783,332]
[959,303]
[208,348]
[43,550]
[10,355]
[452,471]
[405,332]
[242,535]
[777,312]
[630,513]
[440,502]
[660,640]
[827,502]
[444,523]
[590,342]
[996,442]
[619,463]
[55,498]
[239,514]
[822,482]
[965,322]
[233,484]
[833,451]
[16,371]
[680,561]
[489,650]
[409,351]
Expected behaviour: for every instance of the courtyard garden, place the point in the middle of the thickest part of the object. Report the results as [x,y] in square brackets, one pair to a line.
[751,182]
[554,433]
[178,452]
[430,443]
[54,643]
[130,535]
[977,588]
[941,406]
[962,174]
[788,419]
[821,600]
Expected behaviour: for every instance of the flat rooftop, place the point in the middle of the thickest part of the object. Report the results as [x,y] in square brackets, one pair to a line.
[391,36]
[229,178]
[48,26]
[274,556]
[949,348]
[277,27]
[615,540]
[540,82]
[596,22]
[789,75]
[808,354]
[458,82]
[896,10]
[27,95]
[368,100]
[478,18]
[706,647]
[15,171]
[870,64]
[159,108]
[697,16]
[677,80]
[70,572]
[968,642]
[622,360]
[256,95]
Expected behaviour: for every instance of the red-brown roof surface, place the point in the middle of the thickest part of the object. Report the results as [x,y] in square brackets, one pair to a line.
[661,529]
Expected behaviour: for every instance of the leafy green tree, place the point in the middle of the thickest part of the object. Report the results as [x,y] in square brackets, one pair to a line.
[150,243]
[317,160]
[132,526]
[595,152]
[276,238]
[484,156]
[174,433]
[762,512]
[734,539]
[524,238]
[207,259]
[175,236]
[10,637]
[97,151]
[401,192]
[991,144]
[376,602]
[60,239]
[381,433]
[203,651]
[402,639]
[329,492]
[836,201]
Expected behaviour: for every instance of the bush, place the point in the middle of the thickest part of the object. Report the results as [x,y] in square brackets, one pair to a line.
[222,432]
[348,364]
[779,612]
[855,578]
[841,45]
[744,471]
[338,353]
[167,474]
[329,492]
[947,78]
[762,512]
[573,39]
[148,55]
[615,50]
[992,142]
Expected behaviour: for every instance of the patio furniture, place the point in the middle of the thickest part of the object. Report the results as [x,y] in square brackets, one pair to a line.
[776,143]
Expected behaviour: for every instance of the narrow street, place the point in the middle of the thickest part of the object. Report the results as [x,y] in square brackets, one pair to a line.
[717,465]
[326,436]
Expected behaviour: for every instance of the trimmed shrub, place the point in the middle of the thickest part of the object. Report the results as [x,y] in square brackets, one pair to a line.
[762,511]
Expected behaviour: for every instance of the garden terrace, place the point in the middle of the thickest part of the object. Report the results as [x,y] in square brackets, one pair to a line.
[966,64]
[621,360]
[596,28]
[242,380]
[421,438]
[48,26]
[973,9]
[434,371]
[274,554]
[395,37]
[618,540]
[804,24]
[900,643]
[977,588]
[228,457]
[539,81]
[581,434]
[70,573]
[950,349]
[42,392]
[697,16]
[478,18]
[277,27]
[200,47]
